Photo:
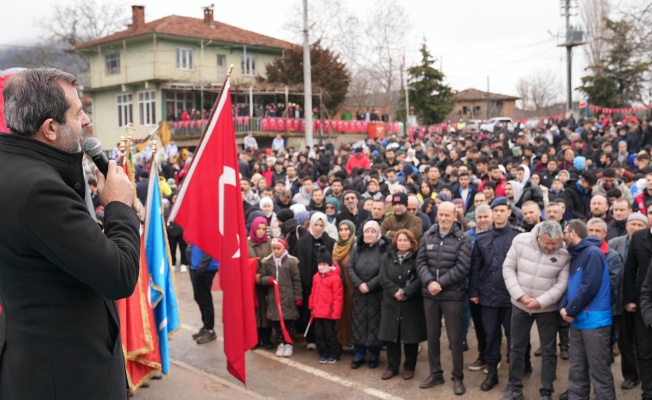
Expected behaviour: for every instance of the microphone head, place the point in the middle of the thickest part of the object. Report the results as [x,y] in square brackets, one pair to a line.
[92,147]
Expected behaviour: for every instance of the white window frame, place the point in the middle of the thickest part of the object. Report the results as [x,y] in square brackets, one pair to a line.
[184,59]
[221,69]
[125,108]
[115,56]
[248,64]
[147,107]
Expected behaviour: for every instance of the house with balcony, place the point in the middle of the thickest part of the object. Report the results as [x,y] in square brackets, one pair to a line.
[171,69]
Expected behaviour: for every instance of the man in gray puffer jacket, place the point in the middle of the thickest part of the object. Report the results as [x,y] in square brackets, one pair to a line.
[536,275]
[443,263]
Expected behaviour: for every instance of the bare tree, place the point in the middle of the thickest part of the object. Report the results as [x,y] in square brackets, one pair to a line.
[81,21]
[594,14]
[372,48]
[538,91]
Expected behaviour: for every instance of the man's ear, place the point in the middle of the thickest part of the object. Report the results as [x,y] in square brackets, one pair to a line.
[49,130]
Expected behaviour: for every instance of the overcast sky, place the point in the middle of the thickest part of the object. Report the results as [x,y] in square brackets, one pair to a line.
[474,39]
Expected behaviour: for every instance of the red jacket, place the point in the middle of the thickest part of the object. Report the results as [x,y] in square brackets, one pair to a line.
[327,296]
[354,161]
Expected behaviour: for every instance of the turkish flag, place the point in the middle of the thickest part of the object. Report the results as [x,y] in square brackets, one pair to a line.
[209,208]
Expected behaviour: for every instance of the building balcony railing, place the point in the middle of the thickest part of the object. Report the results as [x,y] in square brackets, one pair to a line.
[286,125]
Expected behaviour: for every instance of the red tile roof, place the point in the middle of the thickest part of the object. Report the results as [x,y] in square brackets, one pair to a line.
[477,95]
[192,27]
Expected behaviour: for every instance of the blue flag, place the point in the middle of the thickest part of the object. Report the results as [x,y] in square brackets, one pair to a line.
[163,296]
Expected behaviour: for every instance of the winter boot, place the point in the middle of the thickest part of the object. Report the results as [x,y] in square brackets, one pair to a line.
[492,378]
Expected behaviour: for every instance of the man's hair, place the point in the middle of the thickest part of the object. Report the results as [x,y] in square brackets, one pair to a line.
[490,184]
[577,226]
[622,200]
[589,177]
[34,95]
[461,174]
[483,208]
[615,192]
[337,180]
[598,221]
[493,167]
[552,229]
[609,173]
[530,203]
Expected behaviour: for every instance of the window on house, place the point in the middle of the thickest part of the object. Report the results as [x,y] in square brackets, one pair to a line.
[177,101]
[112,63]
[184,58]
[147,107]
[249,65]
[125,109]
[464,110]
[221,67]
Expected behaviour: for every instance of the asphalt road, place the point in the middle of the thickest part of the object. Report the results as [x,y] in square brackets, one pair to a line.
[199,371]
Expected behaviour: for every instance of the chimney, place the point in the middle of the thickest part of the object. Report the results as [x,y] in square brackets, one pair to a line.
[138,17]
[208,15]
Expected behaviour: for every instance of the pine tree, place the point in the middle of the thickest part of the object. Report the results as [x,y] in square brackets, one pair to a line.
[431,98]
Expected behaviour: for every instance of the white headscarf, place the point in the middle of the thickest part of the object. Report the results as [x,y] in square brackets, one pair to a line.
[316,217]
[373,225]
[266,200]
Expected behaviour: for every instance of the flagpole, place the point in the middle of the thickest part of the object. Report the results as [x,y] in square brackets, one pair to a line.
[201,138]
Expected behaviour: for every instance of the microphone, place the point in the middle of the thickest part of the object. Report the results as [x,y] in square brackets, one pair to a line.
[93,148]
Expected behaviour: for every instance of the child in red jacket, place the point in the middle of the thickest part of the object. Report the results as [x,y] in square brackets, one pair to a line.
[325,302]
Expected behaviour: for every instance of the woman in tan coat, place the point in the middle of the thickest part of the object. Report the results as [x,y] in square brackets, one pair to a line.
[341,254]
[260,247]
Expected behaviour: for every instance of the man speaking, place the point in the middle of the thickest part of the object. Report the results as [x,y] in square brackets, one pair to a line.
[59,273]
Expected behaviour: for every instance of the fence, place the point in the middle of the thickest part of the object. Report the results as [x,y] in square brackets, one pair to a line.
[283,125]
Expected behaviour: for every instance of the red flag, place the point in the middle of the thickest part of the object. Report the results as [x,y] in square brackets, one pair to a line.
[209,208]
[137,331]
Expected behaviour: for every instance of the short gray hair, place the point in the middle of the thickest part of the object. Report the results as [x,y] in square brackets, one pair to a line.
[598,221]
[34,95]
[552,229]
[483,208]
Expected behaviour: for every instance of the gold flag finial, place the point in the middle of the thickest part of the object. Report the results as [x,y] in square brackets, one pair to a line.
[130,128]
[230,70]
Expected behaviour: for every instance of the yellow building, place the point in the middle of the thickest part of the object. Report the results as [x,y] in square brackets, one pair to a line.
[155,71]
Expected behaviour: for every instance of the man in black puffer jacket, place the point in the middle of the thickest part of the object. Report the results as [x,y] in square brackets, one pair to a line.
[443,264]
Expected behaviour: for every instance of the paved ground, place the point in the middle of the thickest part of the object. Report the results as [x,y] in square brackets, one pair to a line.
[199,372]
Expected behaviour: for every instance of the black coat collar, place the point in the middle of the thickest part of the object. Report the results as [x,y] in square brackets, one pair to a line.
[67,165]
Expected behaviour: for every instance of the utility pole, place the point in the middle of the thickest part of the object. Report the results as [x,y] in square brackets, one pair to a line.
[573,39]
[487,98]
[307,80]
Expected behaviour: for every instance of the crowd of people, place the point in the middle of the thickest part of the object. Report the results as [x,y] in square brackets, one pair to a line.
[388,241]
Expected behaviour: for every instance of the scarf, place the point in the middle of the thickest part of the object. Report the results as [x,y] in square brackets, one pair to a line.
[336,204]
[254,228]
[279,260]
[316,217]
[343,247]
[372,225]
[266,200]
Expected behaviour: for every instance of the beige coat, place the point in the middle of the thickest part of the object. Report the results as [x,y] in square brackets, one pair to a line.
[528,270]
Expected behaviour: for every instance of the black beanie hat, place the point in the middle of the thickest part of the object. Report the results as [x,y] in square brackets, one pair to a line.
[285,215]
[324,256]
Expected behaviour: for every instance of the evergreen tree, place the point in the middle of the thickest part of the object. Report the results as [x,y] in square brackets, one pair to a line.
[431,98]
[327,72]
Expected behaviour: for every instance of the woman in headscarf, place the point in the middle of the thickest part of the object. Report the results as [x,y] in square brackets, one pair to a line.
[364,272]
[260,247]
[341,254]
[267,207]
[306,251]
[332,208]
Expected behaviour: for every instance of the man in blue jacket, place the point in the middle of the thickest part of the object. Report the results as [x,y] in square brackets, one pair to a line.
[202,271]
[487,286]
[587,307]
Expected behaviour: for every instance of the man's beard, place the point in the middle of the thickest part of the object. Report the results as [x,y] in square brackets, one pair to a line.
[68,140]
